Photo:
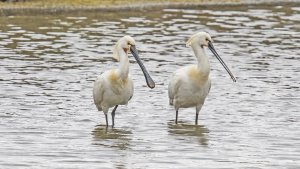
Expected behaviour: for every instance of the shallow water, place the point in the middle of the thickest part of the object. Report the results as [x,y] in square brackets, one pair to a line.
[48,65]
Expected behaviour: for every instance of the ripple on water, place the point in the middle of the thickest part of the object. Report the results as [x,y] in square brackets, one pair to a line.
[48,67]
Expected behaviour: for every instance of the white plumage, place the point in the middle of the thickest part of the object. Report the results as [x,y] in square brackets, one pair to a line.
[115,87]
[189,86]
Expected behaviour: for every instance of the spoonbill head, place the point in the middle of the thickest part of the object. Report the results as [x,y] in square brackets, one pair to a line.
[201,38]
[114,87]
[189,86]
[125,43]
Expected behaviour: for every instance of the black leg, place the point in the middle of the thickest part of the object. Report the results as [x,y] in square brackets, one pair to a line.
[106,120]
[198,108]
[176,116]
[113,113]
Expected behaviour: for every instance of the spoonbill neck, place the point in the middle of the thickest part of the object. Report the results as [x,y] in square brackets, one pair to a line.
[124,64]
[203,62]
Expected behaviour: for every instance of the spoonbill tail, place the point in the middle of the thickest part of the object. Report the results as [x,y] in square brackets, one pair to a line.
[190,85]
[114,87]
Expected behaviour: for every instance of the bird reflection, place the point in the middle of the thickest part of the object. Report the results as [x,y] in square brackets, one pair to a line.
[111,137]
[120,165]
[185,129]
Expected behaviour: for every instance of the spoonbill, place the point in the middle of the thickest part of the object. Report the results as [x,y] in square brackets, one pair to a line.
[189,86]
[114,87]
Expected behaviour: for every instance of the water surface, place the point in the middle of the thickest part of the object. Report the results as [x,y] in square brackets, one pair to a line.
[48,65]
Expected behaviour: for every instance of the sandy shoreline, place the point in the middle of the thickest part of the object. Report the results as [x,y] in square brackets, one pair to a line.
[9,9]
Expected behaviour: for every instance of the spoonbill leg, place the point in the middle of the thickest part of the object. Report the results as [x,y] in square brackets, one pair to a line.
[113,115]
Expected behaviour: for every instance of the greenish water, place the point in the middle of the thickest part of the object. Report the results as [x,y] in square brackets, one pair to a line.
[48,65]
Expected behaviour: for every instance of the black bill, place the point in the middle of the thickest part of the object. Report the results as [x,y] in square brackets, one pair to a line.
[149,80]
[211,47]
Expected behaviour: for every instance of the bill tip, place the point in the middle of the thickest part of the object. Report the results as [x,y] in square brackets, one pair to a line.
[151,86]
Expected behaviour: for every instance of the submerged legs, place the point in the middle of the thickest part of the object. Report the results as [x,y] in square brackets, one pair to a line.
[198,108]
[113,115]
[176,116]
[105,111]
[196,120]
[106,119]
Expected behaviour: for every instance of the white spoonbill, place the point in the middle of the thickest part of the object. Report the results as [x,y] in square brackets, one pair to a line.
[114,87]
[190,85]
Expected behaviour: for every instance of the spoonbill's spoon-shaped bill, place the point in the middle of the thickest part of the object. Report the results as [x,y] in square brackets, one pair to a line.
[148,78]
[212,49]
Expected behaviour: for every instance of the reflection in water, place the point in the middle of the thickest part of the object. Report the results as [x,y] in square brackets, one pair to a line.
[48,64]
[120,165]
[184,129]
[111,137]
